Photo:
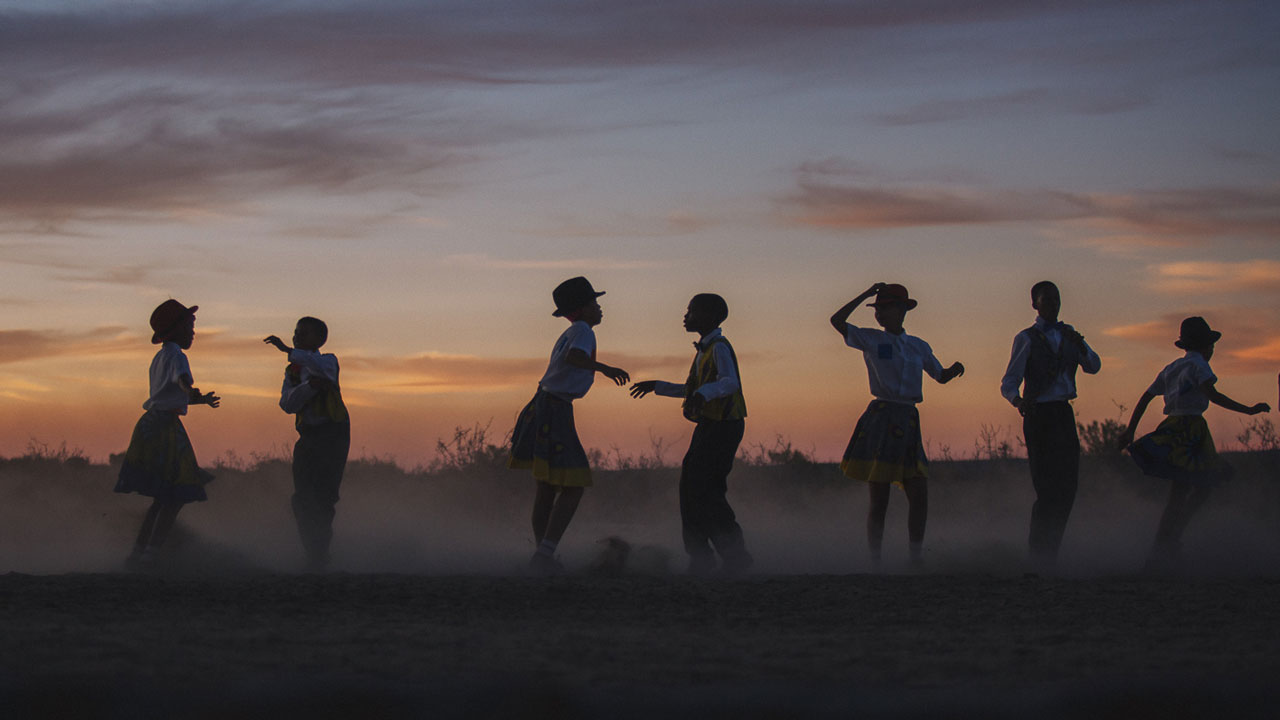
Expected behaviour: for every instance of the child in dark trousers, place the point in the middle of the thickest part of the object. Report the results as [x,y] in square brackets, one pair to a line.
[160,462]
[713,399]
[311,394]
[545,439]
[1181,449]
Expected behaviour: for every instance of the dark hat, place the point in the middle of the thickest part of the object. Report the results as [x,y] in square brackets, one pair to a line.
[1195,334]
[573,294]
[893,295]
[166,317]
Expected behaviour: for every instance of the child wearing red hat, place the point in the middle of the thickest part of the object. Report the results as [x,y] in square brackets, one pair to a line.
[160,462]
[886,447]
[545,439]
[1181,449]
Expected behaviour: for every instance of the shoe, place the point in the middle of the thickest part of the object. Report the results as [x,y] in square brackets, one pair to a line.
[545,565]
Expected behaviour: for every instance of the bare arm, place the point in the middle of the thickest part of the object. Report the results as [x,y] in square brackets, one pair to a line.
[1217,398]
[580,359]
[1126,437]
[951,373]
[841,316]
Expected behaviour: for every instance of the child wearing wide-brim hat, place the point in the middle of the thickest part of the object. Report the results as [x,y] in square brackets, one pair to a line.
[160,462]
[886,447]
[545,438]
[1181,448]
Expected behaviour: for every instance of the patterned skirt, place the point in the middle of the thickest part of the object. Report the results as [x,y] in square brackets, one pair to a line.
[886,445]
[1181,448]
[161,463]
[545,440]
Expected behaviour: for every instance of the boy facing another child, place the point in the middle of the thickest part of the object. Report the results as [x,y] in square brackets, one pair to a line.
[310,392]
[713,399]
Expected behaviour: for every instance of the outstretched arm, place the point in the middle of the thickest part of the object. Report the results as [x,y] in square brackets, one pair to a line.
[1217,398]
[841,316]
[951,373]
[580,359]
[1126,437]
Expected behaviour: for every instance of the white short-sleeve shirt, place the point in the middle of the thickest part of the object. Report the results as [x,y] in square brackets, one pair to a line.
[1179,382]
[895,363]
[167,391]
[562,379]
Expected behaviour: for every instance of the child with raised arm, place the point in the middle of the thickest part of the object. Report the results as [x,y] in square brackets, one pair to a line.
[713,399]
[312,395]
[886,446]
[545,439]
[1181,449]
[160,462]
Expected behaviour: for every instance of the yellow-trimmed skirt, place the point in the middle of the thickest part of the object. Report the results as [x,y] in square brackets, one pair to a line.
[1181,448]
[545,440]
[886,445]
[160,461]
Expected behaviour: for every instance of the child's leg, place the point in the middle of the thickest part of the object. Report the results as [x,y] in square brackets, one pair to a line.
[543,502]
[917,490]
[164,522]
[148,525]
[1184,501]
[566,505]
[876,511]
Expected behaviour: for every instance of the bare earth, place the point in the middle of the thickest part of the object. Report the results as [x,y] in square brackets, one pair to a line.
[383,645]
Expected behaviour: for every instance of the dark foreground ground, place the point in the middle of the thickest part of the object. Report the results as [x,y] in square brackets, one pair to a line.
[897,646]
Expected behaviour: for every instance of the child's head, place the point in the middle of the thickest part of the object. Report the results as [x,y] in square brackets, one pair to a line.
[172,321]
[1046,299]
[310,333]
[891,306]
[705,313]
[575,300]
[1196,335]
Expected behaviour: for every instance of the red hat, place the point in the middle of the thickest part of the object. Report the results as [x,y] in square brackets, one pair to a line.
[893,295]
[167,316]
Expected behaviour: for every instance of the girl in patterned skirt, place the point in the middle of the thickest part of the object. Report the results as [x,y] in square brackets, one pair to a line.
[1181,449]
[886,447]
[160,462]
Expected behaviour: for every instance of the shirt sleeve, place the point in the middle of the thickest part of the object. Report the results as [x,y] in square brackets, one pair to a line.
[727,383]
[929,361]
[1157,387]
[324,365]
[1017,368]
[1089,360]
[856,337]
[1202,373]
[293,398]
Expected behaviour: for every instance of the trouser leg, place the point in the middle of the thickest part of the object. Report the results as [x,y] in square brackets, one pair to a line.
[707,519]
[319,459]
[1053,453]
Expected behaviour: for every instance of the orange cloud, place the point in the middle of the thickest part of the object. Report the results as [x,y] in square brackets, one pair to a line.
[20,345]
[1207,276]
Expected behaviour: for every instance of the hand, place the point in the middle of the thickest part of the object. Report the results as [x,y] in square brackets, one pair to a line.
[1023,406]
[693,406]
[1259,408]
[1077,339]
[617,375]
[874,289]
[955,371]
[206,398]
[1125,439]
[644,387]
[273,340]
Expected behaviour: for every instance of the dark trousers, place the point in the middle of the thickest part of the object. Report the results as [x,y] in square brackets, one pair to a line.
[1053,450]
[319,457]
[705,516]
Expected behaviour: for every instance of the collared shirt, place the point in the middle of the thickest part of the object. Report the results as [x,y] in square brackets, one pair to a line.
[294,398]
[895,363]
[723,386]
[562,379]
[1180,382]
[1063,386]
[169,391]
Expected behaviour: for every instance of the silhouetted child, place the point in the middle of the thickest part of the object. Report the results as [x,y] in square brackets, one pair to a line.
[160,462]
[1181,449]
[545,439]
[311,393]
[1044,361]
[713,399]
[886,446]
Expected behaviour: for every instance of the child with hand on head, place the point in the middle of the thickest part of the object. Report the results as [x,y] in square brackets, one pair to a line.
[1181,449]
[545,439]
[310,393]
[886,446]
[160,462]
[713,399]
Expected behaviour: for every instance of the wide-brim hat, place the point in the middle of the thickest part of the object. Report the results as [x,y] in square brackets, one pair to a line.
[167,316]
[1195,333]
[573,294]
[894,295]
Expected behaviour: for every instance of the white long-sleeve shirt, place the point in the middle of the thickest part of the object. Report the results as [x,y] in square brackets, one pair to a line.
[294,398]
[1063,386]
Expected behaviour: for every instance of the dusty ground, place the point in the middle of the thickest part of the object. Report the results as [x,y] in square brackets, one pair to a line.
[343,645]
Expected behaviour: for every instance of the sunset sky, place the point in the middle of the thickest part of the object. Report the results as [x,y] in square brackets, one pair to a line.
[422,174]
